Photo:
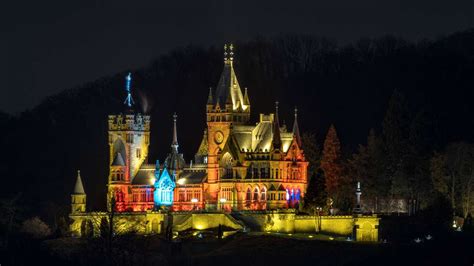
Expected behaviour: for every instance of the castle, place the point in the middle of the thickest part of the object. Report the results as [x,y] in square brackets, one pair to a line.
[239,167]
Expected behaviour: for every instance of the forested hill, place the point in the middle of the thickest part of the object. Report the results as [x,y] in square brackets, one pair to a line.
[348,86]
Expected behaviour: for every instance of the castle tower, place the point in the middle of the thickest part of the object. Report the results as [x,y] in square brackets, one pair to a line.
[227,107]
[129,137]
[78,196]
[175,161]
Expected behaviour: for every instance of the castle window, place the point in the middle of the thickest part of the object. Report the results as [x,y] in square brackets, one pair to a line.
[129,138]
[255,194]
[139,153]
[263,196]
[248,195]
[276,173]
[135,196]
[263,173]
[147,139]
[205,159]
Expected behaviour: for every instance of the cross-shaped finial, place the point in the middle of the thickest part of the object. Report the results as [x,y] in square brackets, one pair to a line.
[225,52]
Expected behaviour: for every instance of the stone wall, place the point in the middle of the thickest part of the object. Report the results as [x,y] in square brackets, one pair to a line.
[282,221]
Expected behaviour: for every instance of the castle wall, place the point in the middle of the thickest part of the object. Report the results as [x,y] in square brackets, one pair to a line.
[283,221]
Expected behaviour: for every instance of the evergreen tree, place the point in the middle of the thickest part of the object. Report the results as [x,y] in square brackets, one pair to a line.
[316,195]
[337,185]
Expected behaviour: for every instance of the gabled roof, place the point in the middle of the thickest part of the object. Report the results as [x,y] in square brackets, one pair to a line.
[281,188]
[259,137]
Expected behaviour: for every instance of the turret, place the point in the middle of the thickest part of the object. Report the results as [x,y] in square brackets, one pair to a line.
[78,196]
[175,161]
[296,129]
[210,101]
[276,140]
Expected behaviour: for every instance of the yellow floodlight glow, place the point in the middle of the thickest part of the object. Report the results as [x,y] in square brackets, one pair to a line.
[181,181]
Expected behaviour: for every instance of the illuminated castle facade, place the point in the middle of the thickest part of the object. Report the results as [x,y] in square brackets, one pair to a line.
[239,165]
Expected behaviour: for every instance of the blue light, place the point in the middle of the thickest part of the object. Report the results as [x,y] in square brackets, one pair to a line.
[164,188]
[128,82]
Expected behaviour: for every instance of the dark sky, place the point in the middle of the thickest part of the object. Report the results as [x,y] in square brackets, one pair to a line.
[48,46]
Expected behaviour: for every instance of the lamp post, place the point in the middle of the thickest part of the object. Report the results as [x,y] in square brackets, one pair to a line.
[194,201]
[222,201]
[319,218]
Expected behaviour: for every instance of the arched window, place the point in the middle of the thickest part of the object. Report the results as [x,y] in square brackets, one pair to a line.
[248,196]
[263,195]
[255,194]
[298,194]
[226,163]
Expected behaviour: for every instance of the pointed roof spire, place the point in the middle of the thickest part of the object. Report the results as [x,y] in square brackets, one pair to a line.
[79,188]
[246,97]
[228,89]
[276,141]
[210,99]
[174,144]
[296,129]
[128,81]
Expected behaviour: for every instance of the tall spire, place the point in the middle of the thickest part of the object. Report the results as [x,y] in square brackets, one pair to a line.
[79,188]
[128,81]
[210,99]
[174,144]
[276,141]
[296,129]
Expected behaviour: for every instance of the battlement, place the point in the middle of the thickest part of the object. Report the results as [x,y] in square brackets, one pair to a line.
[135,122]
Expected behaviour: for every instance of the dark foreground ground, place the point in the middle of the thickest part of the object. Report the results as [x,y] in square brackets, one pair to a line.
[242,250]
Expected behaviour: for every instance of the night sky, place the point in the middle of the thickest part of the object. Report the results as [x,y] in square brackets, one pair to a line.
[49,46]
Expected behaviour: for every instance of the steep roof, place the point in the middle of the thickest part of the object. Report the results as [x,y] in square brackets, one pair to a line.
[118,160]
[260,136]
[145,175]
[228,89]
[193,177]
[78,187]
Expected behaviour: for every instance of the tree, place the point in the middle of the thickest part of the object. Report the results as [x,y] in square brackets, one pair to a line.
[453,176]
[36,228]
[337,184]
[312,152]
[316,195]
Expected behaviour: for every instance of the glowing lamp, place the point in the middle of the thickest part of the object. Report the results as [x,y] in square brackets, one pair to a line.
[194,200]
[181,181]
[222,200]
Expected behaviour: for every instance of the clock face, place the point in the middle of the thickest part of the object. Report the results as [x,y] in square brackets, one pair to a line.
[219,137]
